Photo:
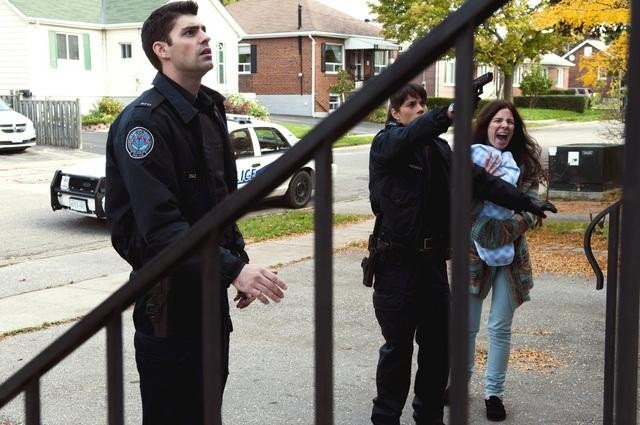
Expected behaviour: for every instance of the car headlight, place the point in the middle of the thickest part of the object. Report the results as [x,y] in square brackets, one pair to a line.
[64,182]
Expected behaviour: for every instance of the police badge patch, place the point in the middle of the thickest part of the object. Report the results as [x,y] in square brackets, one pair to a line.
[139,142]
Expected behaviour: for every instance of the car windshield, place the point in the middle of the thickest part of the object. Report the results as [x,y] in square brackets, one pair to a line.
[4,106]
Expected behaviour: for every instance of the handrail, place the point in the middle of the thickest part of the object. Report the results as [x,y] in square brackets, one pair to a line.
[588,251]
[424,52]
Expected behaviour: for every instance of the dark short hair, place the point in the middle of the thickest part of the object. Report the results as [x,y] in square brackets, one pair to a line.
[398,98]
[160,23]
[525,150]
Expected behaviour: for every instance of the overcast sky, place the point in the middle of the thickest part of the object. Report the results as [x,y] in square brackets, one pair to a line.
[355,8]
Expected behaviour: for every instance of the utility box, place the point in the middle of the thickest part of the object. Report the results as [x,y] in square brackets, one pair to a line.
[588,167]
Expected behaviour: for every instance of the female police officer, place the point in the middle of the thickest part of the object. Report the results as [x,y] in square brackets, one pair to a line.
[409,192]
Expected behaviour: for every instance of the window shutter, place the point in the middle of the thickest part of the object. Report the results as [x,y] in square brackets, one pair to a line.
[323,66]
[86,46]
[254,59]
[53,50]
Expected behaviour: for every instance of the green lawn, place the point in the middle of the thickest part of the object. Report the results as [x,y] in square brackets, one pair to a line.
[535,114]
[349,139]
[263,227]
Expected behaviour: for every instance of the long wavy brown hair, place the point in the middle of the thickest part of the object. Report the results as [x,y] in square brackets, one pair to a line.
[524,148]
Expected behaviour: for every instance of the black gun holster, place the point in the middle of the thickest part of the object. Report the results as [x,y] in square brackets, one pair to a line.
[368,264]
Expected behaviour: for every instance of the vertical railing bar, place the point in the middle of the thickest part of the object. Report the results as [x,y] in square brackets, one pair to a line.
[460,228]
[626,379]
[323,288]
[32,402]
[115,386]
[610,321]
[212,345]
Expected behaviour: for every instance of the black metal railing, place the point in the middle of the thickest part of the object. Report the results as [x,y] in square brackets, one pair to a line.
[613,230]
[620,394]
[455,31]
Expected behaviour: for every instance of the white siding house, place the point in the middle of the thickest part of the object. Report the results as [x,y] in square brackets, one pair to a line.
[16,46]
[92,49]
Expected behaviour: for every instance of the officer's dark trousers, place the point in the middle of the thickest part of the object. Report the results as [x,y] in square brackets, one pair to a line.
[171,380]
[411,299]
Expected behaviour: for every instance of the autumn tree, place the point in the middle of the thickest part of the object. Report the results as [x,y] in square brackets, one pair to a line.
[607,19]
[343,86]
[505,40]
[535,83]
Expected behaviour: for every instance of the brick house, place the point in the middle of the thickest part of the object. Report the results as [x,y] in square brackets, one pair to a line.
[587,48]
[292,51]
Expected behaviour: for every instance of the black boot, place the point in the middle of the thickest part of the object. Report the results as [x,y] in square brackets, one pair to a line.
[495,409]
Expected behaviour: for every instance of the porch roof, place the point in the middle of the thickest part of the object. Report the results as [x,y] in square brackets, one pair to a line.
[362,43]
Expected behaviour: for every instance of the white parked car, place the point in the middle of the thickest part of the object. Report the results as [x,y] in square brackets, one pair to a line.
[257,144]
[16,131]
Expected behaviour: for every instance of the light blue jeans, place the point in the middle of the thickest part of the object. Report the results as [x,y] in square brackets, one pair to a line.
[498,330]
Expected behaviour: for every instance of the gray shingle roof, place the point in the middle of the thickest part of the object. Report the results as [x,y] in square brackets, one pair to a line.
[88,11]
[281,16]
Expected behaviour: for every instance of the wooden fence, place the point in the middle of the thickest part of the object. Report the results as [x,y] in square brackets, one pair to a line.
[57,122]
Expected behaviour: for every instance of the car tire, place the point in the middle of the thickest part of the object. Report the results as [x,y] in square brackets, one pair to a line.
[299,191]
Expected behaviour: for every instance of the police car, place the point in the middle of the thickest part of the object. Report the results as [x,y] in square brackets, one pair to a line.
[256,143]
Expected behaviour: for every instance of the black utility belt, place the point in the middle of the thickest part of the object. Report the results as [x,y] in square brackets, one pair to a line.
[424,246]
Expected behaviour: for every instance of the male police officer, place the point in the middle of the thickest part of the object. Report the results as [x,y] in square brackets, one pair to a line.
[169,161]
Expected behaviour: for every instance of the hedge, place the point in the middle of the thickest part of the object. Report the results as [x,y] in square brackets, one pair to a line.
[566,103]
[559,91]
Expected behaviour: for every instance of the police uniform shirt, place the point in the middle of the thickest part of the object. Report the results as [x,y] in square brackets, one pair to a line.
[159,178]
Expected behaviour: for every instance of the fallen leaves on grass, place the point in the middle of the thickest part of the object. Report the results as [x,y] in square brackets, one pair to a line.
[563,253]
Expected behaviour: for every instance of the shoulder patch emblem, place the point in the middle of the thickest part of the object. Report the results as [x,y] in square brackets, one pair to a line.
[139,142]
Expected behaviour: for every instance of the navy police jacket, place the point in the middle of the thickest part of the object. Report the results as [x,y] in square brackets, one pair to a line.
[409,181]
[157,183]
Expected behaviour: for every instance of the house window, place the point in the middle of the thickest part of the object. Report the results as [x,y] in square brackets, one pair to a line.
[125,50]
[333,58]
[482,69]
[601,73]
[244,59]
[450,72]
[68,46]
[588,50]
[560,81]
[518,73]
[220,63]
[380,61]
[334,102]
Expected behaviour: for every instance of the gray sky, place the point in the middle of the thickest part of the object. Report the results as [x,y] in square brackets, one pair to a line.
[355,8]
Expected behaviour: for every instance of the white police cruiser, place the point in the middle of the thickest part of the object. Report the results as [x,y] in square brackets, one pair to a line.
[256,143]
